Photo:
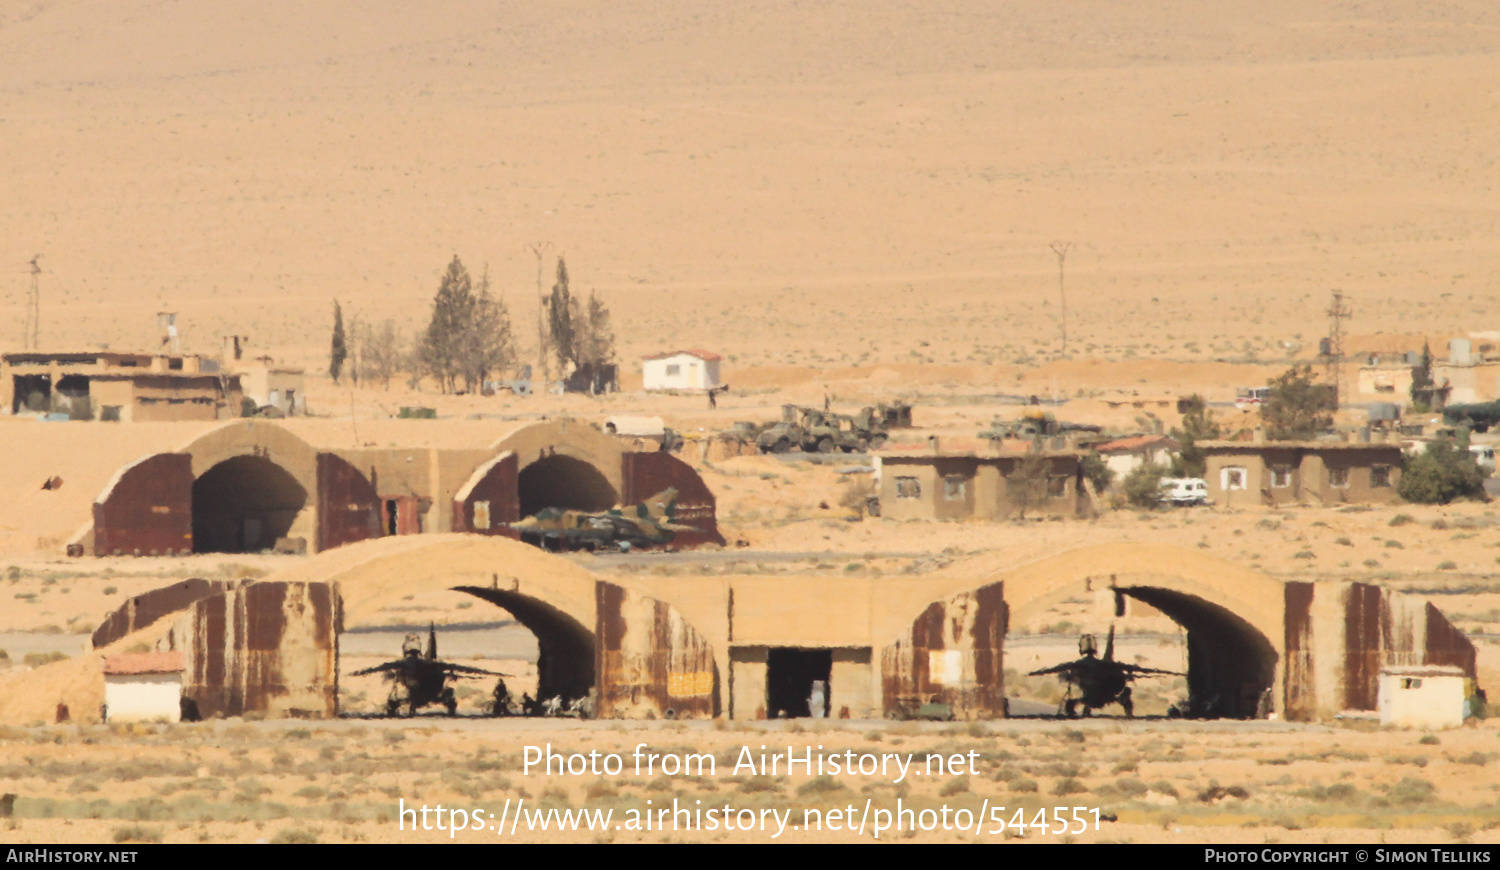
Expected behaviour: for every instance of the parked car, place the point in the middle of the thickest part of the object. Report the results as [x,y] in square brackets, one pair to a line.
[1184,490]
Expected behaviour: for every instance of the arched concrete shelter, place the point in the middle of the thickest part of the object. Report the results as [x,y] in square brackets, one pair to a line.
[251,485]
[752,646]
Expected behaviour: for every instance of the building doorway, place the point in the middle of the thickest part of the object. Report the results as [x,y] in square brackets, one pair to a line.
[797,683]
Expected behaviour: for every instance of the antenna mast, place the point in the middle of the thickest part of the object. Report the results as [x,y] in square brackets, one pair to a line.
[540,250]
[1061,250]
[31,337]
[1333,368]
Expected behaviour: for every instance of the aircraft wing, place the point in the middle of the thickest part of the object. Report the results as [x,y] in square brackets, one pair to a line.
[386,668]
[1066,669]
[466,671]
[1137,670]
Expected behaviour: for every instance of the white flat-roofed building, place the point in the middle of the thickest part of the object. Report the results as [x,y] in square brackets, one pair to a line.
[682,370]
[1422,696]
[143,687]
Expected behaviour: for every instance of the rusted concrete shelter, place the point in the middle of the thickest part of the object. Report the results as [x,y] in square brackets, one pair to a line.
[750,647]
[252,485]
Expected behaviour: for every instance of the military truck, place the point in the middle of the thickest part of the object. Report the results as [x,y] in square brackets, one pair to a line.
[812,430]
[1034,423]
[783,435]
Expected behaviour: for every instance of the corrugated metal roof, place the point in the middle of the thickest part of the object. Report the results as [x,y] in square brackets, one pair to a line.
[132,664]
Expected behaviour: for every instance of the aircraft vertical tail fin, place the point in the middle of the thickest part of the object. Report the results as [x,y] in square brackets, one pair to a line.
[662,506]
[1109,645]
[431,642]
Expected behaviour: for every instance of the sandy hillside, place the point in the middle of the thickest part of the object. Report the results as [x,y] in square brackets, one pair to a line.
[788,185]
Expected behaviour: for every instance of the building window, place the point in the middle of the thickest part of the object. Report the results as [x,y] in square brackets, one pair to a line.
[1411,683]
[674,371]
[908,487]
[1057,485]
[1338,478]
[1380,475]
[1281,476]
[1233,477]
[953,487]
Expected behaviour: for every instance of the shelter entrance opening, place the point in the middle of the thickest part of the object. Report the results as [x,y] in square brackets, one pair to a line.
[564,651]
[564,482]
[1231,666]
[797,683]
[244,505]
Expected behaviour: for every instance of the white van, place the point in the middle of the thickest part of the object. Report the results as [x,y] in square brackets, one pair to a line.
[1484,454]
[1184,490]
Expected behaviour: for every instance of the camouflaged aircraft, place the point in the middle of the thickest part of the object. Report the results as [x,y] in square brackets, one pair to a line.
[418,680]
[621,528]
[1098,682]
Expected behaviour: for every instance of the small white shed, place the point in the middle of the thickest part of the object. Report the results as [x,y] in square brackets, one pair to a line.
[682,370]
[1424,696]
[1124,455]
[143,687]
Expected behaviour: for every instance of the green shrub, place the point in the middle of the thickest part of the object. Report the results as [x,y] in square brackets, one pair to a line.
[1143,485]
[1444,472]
[1410,790]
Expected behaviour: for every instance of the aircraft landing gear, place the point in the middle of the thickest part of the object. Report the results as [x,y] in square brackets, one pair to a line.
[1127,703]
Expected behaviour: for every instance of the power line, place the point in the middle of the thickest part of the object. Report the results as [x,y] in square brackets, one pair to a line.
[31,337]
[1061,250]
[540,250]
[1333,357]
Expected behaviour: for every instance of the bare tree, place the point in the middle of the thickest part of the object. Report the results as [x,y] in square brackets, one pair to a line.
[380,351]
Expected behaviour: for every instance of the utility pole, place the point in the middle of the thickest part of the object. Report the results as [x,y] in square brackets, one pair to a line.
[1333,359]
[540,250]
[1061,250]
[31,337]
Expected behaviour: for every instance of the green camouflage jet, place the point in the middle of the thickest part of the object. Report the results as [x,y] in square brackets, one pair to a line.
[621,528]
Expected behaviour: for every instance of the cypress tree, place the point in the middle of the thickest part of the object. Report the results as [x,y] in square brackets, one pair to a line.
[340,350]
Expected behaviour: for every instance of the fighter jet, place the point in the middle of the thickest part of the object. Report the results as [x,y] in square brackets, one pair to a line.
[1097,682]
[418,680]
[619,528]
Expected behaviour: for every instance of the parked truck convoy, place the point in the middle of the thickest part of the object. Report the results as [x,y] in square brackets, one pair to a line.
[817,431]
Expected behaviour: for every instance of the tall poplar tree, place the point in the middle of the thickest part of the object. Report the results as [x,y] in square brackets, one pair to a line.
[340,349]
